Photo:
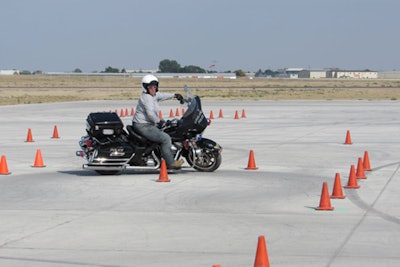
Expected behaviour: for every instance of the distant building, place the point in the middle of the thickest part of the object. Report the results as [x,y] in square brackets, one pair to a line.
[9,72]
[352,74]
[141,71]
[312,74]
[389,74]
[213,75]
[293,73]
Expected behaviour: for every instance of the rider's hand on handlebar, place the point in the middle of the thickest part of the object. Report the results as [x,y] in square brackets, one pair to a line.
[161,124]
[179,97]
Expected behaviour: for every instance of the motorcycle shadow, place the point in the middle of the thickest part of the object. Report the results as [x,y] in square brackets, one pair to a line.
[85,173]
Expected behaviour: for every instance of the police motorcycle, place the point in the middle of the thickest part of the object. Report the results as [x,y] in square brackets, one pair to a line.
[108,148]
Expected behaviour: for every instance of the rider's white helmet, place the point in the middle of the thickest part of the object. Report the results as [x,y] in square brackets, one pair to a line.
[147,80]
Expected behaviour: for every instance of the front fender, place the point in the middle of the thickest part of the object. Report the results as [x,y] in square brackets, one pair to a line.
[209,144]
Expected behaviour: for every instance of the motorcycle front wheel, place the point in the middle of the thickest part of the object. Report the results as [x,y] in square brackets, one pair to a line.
[209,160]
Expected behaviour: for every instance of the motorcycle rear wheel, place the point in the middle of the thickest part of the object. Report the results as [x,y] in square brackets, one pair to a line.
[209,162]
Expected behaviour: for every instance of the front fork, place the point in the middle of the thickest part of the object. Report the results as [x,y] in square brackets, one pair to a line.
[197,145]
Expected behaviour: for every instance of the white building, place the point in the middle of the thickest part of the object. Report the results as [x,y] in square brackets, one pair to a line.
[9,72]
[355,74]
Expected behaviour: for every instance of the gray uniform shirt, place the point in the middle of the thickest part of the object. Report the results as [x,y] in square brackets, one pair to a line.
[147,108]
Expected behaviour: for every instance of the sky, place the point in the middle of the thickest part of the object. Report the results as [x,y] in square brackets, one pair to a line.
[251,35]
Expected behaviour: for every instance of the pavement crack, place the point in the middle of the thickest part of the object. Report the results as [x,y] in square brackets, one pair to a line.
[368,210]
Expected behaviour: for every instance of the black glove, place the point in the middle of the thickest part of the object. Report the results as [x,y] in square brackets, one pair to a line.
[179,97]
[161,124]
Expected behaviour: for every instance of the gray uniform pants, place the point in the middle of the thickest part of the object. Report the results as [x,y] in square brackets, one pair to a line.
[154,134]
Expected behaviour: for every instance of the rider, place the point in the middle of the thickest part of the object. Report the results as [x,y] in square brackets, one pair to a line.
[147,122]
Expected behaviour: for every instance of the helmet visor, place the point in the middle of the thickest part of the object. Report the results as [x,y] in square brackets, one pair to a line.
[151,84]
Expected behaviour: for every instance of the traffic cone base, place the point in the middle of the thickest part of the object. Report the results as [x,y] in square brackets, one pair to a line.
[325,202]
[38,160]
[3,166]
[337,188]
[261,259]
[352,182]
[163,177]
[252,163]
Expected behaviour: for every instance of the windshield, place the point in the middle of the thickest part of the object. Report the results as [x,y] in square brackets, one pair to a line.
[189,94]
[190,101]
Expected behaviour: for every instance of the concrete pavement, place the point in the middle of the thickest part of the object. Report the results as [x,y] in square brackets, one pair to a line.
[61,215]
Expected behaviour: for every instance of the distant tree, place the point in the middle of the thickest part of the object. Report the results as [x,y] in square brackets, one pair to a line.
[269,72]
[259,73]
[240,73]
[167,65]
[192,69]
[25,72]
[111,70]
[123,70]
[266,73]
[77,70]
[37,72]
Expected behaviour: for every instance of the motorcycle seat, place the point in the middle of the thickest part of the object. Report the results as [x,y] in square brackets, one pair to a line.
[135,135]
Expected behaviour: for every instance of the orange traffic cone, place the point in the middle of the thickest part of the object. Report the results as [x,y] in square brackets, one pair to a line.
[55,132]
[348,138]
[261,259]
[3,166]
[236,115]
[163,172]
[220,115]
[243,114]
[160,115]
[325,202]
[121,114]
[352,183]
[216,265]
[177,112]
[360,170]
[211,115]
[252,163]
[38,160]
[126,112]
[183,111]
[171,113]
[366,164]
[29,136]
[337,188]
[132,111]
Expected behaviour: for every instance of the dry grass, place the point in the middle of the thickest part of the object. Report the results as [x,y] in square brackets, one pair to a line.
[41,89]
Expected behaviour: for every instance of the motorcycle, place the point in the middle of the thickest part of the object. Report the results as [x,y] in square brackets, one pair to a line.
[108,148]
